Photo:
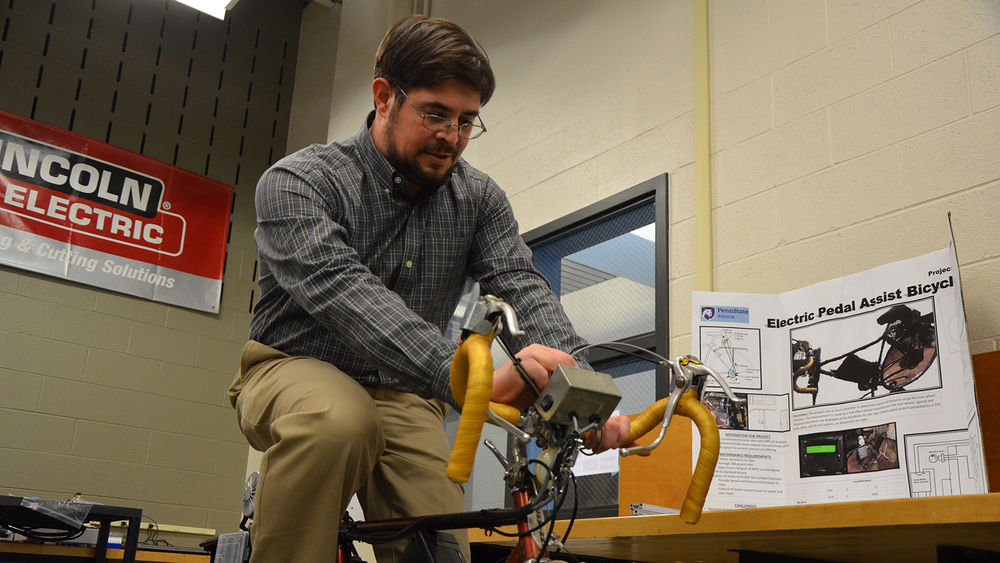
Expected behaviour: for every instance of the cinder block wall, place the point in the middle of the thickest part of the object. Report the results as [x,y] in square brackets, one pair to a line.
[842,132]
[112,396]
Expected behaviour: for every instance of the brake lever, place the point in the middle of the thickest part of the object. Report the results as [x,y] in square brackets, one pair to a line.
[687,373]
[702,372]
[489,314]
[679,385]
[517,433]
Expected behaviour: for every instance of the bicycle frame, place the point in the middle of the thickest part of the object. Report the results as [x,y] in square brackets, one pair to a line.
[568,413]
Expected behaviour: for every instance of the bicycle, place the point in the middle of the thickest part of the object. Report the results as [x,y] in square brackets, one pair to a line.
[566,416]
[912,347]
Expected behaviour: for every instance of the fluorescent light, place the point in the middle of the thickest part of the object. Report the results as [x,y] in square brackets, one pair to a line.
[214,8]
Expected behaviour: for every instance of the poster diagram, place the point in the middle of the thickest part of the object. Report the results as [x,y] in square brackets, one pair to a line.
[733,353]
[856,450]
[867,355]
[943,463]
[728,414]
[768,412]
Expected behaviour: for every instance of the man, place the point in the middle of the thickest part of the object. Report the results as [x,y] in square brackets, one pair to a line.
[364,248]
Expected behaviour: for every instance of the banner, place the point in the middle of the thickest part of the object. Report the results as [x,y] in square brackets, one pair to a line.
[89,212]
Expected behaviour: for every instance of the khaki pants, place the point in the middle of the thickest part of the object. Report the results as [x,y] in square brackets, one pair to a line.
[325,437]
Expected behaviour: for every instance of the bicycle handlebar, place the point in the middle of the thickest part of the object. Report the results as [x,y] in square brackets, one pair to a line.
[689,406]
[471,384]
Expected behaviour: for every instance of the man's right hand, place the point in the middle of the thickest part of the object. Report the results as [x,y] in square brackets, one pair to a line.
[538,362]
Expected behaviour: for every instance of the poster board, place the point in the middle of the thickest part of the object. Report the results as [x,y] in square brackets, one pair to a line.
[857,388]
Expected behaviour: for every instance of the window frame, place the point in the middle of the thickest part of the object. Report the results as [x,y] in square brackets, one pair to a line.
[655,189]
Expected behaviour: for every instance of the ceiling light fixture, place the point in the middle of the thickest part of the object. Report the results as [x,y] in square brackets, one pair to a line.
[214,8]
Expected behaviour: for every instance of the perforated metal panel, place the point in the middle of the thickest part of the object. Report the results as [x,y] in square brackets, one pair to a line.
[212,97]
[157,77]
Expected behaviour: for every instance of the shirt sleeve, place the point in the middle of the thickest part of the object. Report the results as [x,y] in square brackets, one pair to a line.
[307,251]
[502,264]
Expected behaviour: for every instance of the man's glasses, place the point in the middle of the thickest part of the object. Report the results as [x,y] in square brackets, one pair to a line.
[439,124]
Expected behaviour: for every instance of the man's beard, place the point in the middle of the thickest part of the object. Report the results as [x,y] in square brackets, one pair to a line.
[410,169]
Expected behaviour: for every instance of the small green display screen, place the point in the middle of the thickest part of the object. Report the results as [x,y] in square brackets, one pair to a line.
[823,449]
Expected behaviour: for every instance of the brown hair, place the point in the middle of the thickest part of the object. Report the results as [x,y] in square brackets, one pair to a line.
[422,52]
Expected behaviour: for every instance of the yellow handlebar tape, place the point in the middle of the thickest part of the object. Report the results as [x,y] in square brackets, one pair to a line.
[645,421]
[701,479]
[708,455]
[471,384]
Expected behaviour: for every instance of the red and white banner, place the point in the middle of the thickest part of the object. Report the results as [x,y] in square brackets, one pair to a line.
[83,210]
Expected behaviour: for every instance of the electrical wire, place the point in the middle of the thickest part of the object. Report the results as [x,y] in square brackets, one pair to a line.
[153,534]
[36,533]
[535,505]
[576,504]
[561,498]
[597,438]
[572,518]
[625,348]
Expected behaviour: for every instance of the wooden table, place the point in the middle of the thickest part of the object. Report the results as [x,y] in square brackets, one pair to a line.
[12,551]
[884,531]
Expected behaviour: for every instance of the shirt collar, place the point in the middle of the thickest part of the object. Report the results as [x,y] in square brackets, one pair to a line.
[386,177]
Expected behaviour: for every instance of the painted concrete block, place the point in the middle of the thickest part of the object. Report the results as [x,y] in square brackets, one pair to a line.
[784,268]
[151,411]
[91,328]
[143,483]
[43,356]
[742,113]
[20,390]
[847,17]
[683,248]
[110,442]
[984,74]
[934,29]
[980,286]
[34,431]
[794,30]
[747,227]
[848,67]
[77,399]
[50,472]
[902,108]
[958,156]
[853,191]
[778,156]
[682,193]
[27,315]
[163,344]
[121,371]
[181,452]
[216,422]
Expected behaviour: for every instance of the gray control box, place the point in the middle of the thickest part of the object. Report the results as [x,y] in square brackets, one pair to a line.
[589,395]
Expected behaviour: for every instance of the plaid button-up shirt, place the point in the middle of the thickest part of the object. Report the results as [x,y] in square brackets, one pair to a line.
[355,273]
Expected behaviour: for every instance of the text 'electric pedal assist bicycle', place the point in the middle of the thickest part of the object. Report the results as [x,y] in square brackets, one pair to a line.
[567,415]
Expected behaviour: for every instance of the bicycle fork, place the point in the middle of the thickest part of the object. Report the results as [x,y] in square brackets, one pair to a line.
[523,492]
[527,549]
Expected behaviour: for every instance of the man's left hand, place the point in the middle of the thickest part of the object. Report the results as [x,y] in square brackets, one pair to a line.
[614,435]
